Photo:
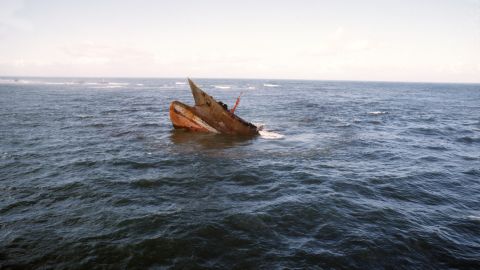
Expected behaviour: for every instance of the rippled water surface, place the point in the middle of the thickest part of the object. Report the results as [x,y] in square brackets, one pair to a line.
[346,175]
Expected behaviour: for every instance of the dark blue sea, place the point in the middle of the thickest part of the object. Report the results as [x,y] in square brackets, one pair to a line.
[345,175]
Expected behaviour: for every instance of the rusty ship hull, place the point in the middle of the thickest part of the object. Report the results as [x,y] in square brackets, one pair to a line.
[208,115]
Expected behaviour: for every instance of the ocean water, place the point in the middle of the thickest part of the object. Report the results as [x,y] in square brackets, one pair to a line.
[346,175]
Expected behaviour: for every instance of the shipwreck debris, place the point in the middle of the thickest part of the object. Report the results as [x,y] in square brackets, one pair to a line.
[209,115]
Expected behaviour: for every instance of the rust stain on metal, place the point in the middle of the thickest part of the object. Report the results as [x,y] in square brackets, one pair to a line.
[208,115]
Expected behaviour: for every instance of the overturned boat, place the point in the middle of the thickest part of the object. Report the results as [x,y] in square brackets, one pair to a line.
[208,115]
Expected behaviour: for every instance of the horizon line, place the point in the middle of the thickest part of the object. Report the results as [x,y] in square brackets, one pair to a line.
[234,78]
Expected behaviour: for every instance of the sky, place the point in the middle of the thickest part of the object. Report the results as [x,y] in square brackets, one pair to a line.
[379,40]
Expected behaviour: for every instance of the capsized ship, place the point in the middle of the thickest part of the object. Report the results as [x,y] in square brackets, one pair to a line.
[208,115]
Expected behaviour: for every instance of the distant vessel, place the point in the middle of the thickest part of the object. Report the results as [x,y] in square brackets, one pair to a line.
[208,115]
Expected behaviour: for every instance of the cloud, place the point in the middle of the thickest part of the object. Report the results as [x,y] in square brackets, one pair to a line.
[341,42]
[338,34]
[88,52]
[340,52]
[358,45]
[85,58]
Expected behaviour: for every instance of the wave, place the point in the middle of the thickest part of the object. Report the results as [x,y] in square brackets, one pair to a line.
[473,172]
[468,139]
[426,131]
[156,125]
[21,81]
[77,82]
[476,218]
[7,81]
[377,112]
[270,85]
[107,83]
[146,183]
[222,86]
[180,83]
[108,87]
[60,83]
[84,116]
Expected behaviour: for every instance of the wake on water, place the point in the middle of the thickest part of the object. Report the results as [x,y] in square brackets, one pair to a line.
[265,134]
[270,135]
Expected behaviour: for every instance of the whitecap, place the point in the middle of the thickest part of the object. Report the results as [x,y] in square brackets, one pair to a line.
[27,82]
[251,87]
[55,83]
[108,87]
[4,81]
[377,113]
[180,83]
[84,116]
[37,82]
[476,218]
[221,86]
[47,82]
[270,85]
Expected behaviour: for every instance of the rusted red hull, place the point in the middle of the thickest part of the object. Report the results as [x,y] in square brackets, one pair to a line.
[208,116]
[184,117]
